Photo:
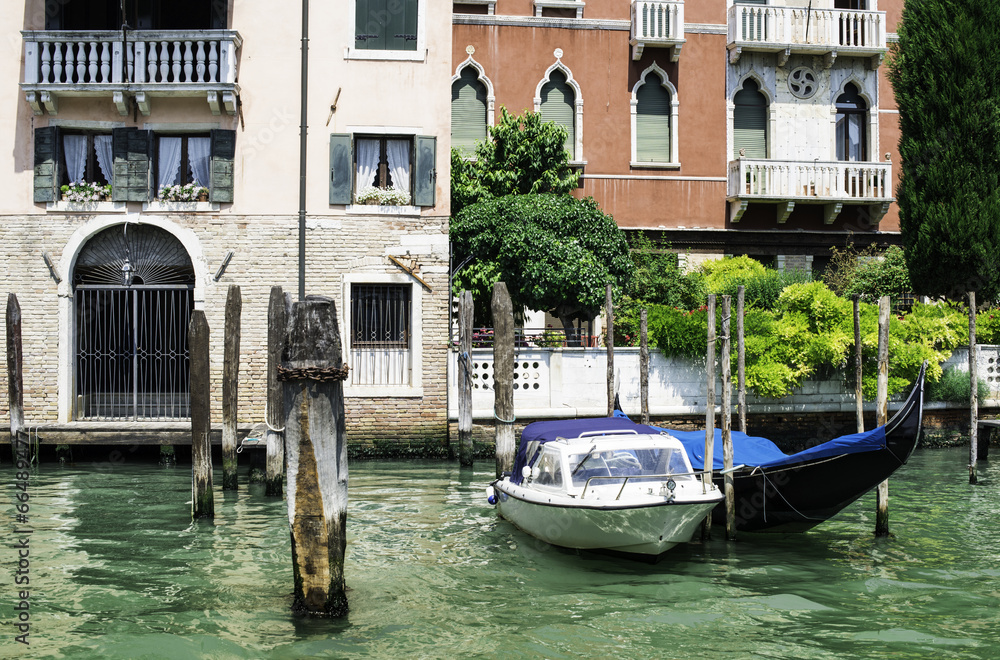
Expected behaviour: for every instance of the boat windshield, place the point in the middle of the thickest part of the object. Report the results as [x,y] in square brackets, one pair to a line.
[636,463]
[549,468]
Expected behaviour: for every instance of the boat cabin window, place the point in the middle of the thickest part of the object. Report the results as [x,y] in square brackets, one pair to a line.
[594,465]
[549,468]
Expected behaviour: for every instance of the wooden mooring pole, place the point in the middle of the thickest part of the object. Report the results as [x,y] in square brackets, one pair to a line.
[312,375]
[274,415]
[973,391]
[727,408]
[706,476]
[858,397]
[643,366]
[503,377]
[465,315]
[610,343]
[202,497]
[741,362]
[882,411]
[230,387]
[15,378]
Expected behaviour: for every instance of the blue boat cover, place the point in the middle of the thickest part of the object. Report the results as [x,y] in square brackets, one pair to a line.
[747,450]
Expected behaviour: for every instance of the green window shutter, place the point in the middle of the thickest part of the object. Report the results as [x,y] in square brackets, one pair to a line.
[369,25]
[222,173]
[47,164]
[341,168]
[750,122]
[558,105]
[132,172]
[385,24]
[652,122]
[424,171]
[468,111]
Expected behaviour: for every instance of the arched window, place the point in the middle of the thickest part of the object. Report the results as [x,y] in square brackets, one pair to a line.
[652,121]
[558,101]
[852,122]
[750,122]
[468,110]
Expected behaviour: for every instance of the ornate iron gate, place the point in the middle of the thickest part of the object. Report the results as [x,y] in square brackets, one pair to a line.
[134,297]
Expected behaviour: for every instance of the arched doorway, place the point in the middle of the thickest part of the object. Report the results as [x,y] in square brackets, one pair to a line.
[133,292]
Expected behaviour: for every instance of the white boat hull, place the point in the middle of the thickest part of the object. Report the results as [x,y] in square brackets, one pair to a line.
[647,527]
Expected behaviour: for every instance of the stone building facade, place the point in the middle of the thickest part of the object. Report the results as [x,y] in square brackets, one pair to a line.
[760,127]
[209,94]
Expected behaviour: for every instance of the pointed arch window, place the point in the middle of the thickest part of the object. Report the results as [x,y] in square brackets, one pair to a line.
[468,111]
[852,123]
[750,122]
[557,105]
[653,110]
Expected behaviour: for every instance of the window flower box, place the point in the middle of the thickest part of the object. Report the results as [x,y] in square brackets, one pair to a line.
[382,197]
[85,191]
[189,192]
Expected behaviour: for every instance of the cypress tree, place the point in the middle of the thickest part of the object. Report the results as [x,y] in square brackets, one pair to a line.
[946,76]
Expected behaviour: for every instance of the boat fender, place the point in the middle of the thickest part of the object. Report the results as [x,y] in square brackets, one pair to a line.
[491,495]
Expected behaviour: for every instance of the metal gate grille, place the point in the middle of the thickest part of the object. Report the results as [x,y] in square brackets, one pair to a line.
[380,334]
[132,359]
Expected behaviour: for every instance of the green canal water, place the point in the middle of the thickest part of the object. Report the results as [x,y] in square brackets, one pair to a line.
[118,570]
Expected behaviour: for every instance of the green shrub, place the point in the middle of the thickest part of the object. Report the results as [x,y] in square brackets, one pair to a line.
[954,387]
[988,327]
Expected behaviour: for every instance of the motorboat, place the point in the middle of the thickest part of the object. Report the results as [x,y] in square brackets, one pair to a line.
[604,484]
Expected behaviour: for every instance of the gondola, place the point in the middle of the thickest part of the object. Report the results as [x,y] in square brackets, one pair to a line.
[792,493]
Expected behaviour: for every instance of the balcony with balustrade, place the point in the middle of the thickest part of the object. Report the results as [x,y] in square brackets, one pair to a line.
[137,65]
[801,30]
[787,183]
[657,24]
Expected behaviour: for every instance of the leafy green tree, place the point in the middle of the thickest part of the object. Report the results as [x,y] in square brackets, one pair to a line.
[555,252]
[870,273]
[659,278]
[947,84]
[522,156]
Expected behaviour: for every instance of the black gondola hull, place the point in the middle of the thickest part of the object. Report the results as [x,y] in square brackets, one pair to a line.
[799,496]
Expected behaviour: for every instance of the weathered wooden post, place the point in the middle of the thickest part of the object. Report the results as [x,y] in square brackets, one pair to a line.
[230,387]
[312,374]
[465,314]
[882,414]
[858,397]
[727,437]
[202,498]
[973,390]
[15,365]
[274,414]
[503,377]
[643,367]
[706,476]
[741,363]
[610,343]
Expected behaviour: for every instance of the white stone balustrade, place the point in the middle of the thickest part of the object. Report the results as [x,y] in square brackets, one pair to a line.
[799,29]
[810,180]
[155,62]
[657,23]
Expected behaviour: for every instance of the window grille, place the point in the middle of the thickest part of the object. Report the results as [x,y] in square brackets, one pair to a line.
[380,334]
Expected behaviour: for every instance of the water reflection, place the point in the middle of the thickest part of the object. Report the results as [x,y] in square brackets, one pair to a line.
[120,570]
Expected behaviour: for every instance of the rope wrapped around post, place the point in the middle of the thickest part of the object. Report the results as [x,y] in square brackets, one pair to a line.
[319,374]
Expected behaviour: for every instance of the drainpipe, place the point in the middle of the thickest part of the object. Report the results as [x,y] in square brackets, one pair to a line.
[809,12]
[303,129]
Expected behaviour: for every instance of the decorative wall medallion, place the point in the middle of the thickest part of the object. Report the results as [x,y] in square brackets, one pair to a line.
[803,82]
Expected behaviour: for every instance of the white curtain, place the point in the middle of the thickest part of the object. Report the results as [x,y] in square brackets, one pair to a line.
[367,162]
[398,153]
[75,149]
[170,162]
[102,145]
[199,152]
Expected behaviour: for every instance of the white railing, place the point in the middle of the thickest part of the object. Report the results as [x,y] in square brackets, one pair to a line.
[789,26]
[658,21]
[790,180]
[175,57]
